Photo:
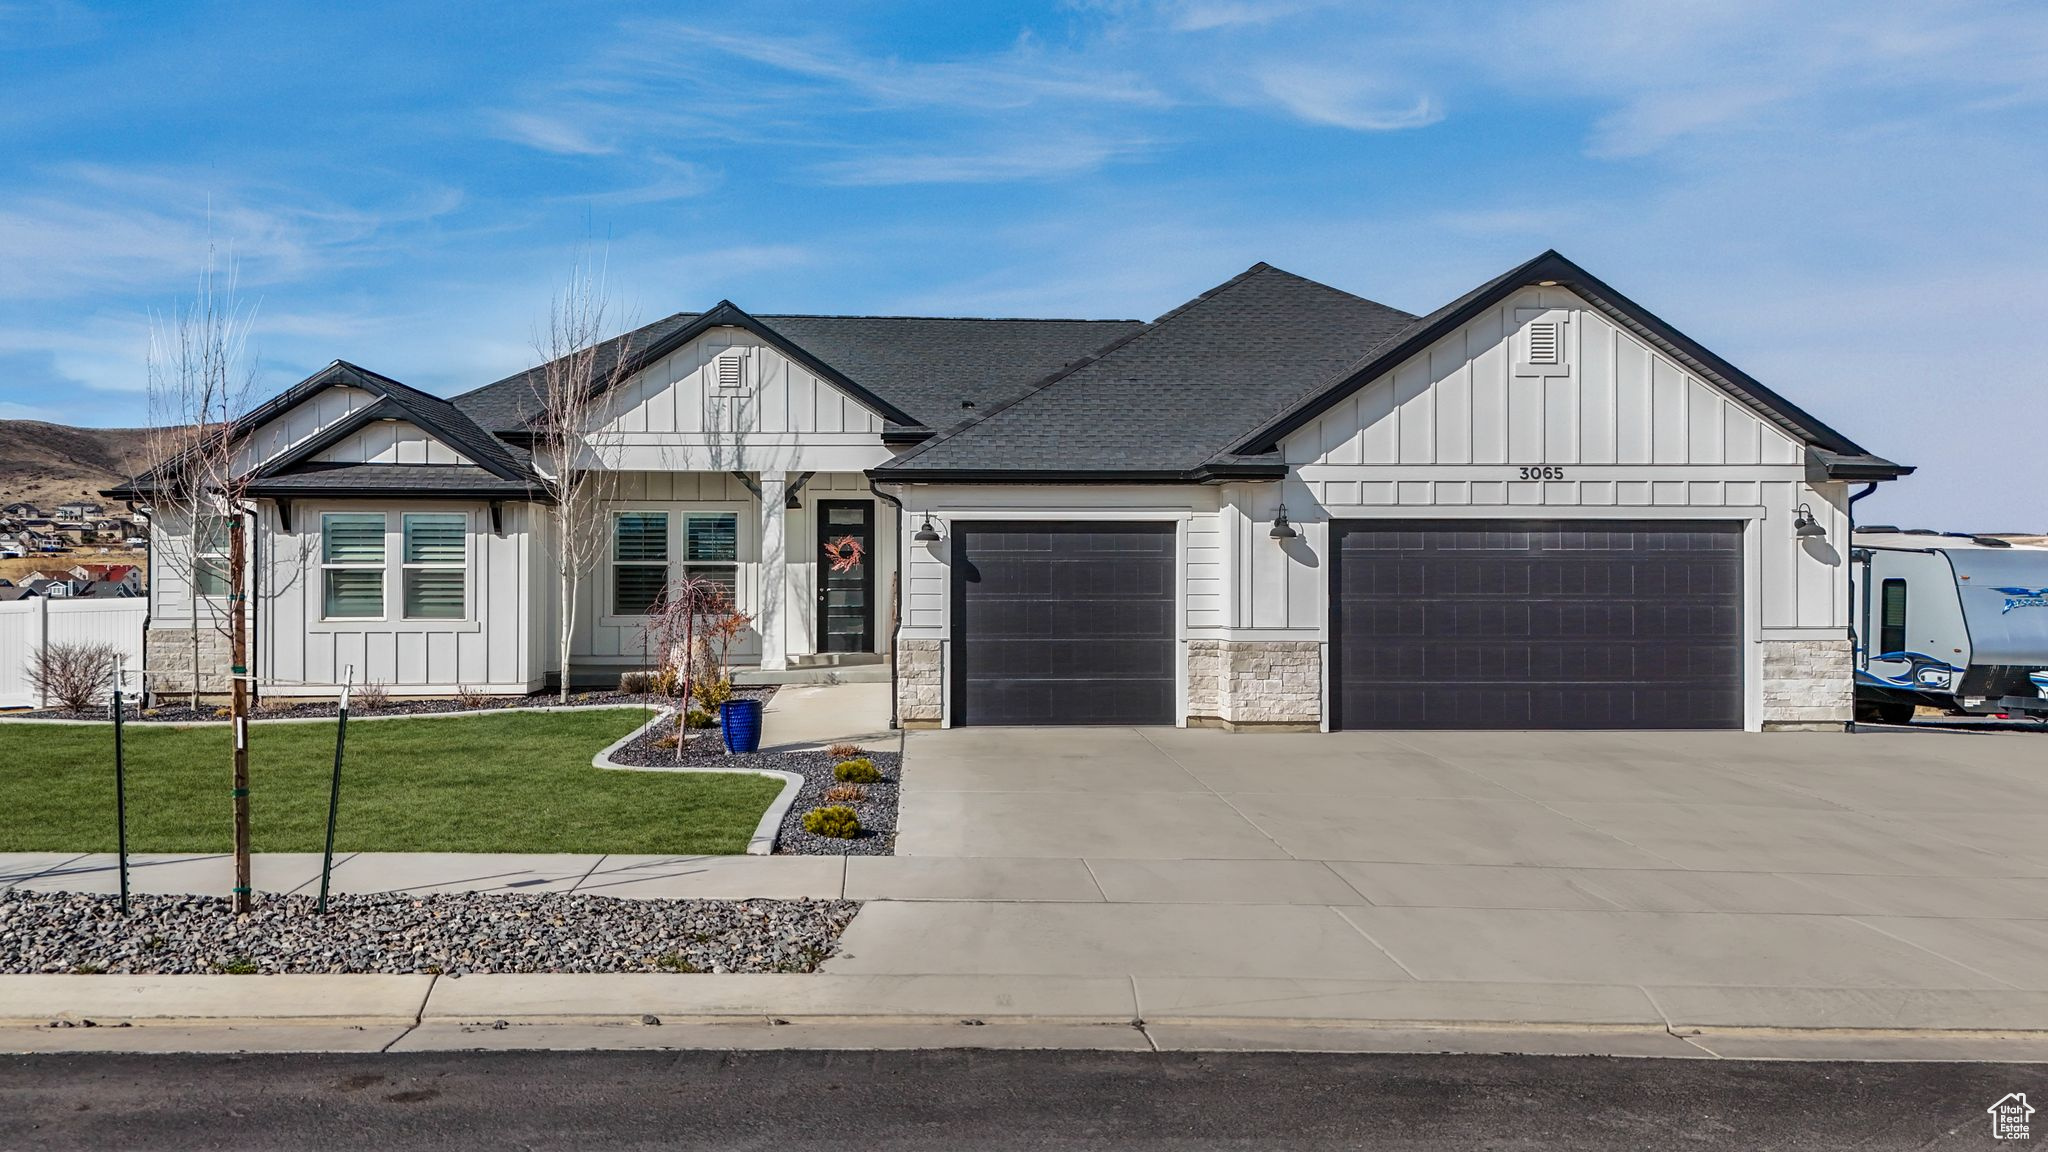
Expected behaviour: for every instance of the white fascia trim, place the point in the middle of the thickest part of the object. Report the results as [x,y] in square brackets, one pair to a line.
[1544,512]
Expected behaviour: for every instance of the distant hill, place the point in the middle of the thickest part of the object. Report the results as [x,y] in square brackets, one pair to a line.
[47,464]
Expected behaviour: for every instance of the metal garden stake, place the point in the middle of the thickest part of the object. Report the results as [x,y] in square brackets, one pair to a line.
[334,789]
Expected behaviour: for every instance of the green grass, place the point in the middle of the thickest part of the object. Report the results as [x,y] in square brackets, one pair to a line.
[519,782]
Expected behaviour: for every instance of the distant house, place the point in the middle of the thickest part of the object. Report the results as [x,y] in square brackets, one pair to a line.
[19,510]
[103,590]
[9,595]
[80,510]
[43,586]
[126,575]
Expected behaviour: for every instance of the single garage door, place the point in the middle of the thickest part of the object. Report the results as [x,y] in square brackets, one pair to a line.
[1063,623]
[1537,624]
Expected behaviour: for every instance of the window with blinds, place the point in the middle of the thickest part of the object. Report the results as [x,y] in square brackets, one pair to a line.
[436,557]
[639,561]
[210,557]
[352,565]
[711,547]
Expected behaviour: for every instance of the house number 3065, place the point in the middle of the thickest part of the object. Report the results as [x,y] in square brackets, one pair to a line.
[1543,473]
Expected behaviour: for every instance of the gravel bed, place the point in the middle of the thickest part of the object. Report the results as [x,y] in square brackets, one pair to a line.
[453,934]
[877,813]
[284,708]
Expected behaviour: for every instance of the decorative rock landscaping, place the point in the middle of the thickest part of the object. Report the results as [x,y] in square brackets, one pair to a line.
[876,807]
[452,934]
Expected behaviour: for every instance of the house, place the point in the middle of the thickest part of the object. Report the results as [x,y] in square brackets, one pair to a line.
[103,590]
[1279,504]
[21,511]
[46,587]
[11,594]
[79,510]
[127,575]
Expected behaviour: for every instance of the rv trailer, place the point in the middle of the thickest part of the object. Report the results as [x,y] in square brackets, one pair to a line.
[1949,620]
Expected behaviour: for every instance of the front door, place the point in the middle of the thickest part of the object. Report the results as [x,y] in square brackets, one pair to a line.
[846,576]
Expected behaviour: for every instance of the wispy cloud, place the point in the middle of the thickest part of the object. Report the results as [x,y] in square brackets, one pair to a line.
[1034,159]
[1344,99]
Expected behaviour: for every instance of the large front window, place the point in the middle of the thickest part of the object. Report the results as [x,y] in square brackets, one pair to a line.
[639,561]
[352,565]
[711,548]
[436,549]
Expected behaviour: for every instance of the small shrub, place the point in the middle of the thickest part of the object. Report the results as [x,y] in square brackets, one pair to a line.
[846,793]
[844,751]
[472,699]
[370,697]
[699,718]
[88,969]
[856,771]
[636,683]
[834,820]
[237,966]
[672,962]
[273,706]
[666,740]
[666,681]
[76,676]
[223,712]
[712,693]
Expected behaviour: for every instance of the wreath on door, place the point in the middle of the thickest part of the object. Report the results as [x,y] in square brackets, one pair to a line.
[845,553]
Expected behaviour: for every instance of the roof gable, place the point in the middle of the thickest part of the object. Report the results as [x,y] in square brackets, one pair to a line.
[1551,268]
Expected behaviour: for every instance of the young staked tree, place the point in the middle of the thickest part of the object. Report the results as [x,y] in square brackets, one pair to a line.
[578,368]
[200,381]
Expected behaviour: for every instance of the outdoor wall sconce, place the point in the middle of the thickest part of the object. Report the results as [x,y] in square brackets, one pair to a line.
[1804,526]
[927,534]
[1282,530]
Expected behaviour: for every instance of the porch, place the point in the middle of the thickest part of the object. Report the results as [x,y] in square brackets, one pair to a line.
[809,557]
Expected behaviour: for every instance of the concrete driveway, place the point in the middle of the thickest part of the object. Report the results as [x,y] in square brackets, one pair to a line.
[1791,877]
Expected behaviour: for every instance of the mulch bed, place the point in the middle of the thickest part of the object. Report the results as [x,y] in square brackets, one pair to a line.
[449,933]
[172,711]
[877,812]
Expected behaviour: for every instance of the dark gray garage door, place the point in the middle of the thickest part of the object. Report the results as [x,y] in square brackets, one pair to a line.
[1063,623]
[1537,624]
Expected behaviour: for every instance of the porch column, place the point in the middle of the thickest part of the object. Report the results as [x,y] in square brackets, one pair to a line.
[772,617]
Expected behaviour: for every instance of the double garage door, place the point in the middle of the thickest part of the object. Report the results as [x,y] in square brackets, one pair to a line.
[1437,624]
[1536,624]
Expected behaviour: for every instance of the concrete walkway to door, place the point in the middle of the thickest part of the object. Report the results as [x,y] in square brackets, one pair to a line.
[1780,879]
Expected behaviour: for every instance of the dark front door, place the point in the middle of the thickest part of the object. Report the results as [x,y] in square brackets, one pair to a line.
[846,576]
[1063,623]
[1533,624]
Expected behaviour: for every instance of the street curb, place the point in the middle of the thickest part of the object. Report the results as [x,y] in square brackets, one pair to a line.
[762,843]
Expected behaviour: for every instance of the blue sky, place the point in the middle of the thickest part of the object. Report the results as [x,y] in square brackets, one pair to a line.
[1846,199]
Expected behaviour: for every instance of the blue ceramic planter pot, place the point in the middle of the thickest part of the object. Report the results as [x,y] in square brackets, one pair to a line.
[739,724]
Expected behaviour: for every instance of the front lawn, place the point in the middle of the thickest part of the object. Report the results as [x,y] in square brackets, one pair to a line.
[520,782]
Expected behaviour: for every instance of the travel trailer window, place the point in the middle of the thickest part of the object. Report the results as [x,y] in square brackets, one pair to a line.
[1891,636]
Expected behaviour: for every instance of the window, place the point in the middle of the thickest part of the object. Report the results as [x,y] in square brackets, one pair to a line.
[210,557]
[352,564]
[639,561]
[436,548]
[1891,633]
[711,548]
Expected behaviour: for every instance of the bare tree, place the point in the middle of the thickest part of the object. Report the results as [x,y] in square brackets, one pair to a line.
[201,379]
[578,368]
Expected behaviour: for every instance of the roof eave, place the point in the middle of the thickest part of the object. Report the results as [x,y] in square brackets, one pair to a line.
[1824,465]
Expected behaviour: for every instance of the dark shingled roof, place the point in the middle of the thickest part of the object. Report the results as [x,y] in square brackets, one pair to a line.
[924,366]
[315,477]
[1175,395]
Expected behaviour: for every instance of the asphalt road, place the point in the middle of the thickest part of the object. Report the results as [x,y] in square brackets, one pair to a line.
[1005,1100]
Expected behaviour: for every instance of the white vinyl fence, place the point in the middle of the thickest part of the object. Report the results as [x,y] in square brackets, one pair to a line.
[28,627]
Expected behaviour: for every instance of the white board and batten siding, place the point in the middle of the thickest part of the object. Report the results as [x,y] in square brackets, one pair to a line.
[927,581]
[494,648]
[1471,428]
[303,421]
[32,626]
[390,442]
[729,401]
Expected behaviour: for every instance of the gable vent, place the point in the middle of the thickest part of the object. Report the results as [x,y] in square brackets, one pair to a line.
[729,372]
[1543,342]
